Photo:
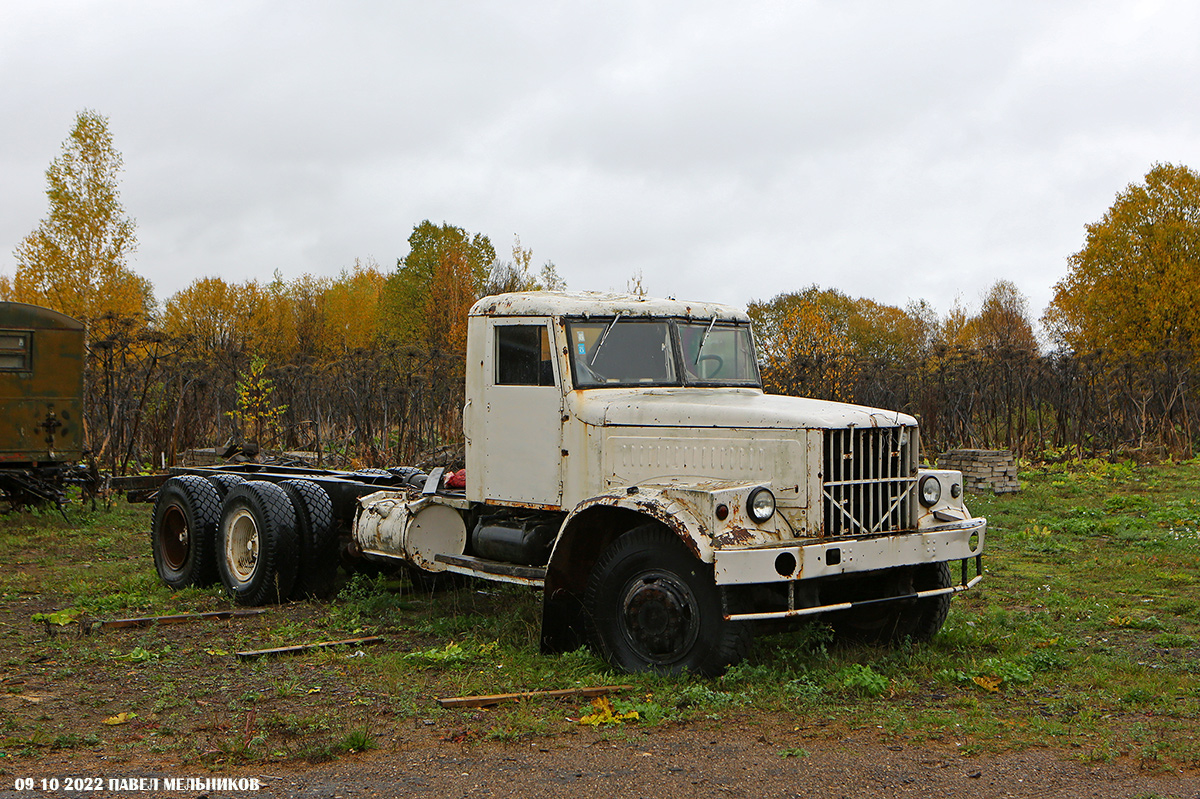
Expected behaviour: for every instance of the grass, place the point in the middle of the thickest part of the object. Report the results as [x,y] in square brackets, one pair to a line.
[1083,637]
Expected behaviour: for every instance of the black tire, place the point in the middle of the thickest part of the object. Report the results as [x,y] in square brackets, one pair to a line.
[224,482]
[931,613]
[257,546]
[651,605]
[317,566]
[410,476]
[917,620]
[183,532]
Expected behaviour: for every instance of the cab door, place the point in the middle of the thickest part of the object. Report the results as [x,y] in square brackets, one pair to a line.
[523,408]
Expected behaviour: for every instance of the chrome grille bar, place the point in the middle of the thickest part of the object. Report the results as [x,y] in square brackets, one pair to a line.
[869,480]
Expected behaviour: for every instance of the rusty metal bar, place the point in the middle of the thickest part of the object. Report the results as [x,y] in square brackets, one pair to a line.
[785,614]
[495,699]
[179,618]
[283,650]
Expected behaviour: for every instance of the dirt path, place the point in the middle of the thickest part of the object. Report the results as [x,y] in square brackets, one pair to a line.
[690,761]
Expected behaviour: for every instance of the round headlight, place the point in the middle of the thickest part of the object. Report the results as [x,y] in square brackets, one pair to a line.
[761,505]
[931,490]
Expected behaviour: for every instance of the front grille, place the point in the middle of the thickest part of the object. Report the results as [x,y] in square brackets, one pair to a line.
[869,480]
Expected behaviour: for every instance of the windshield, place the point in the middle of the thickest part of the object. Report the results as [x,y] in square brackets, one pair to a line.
[717,352]
[623,351]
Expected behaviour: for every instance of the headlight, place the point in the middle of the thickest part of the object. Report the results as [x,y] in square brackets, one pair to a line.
[931,490]
[761,505]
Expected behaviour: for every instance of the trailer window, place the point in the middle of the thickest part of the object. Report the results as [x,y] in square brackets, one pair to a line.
[523,356]
[15,349]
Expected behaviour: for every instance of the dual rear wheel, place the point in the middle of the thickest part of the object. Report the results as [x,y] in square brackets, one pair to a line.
[265,542]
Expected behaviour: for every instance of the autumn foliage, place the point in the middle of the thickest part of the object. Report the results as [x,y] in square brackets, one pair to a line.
[366,368]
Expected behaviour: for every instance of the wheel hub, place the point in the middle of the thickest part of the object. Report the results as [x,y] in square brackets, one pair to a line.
[242,545]
[660,617]
[173,538]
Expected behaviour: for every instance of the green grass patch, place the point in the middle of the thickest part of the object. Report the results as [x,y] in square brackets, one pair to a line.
[1083,637]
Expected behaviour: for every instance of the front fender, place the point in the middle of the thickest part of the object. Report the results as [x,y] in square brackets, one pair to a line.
[654,503]
[590,527]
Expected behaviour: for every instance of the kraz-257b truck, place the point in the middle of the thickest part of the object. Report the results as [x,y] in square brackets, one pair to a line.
[621,456]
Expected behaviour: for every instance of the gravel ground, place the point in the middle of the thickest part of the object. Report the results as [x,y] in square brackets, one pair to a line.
[689,761]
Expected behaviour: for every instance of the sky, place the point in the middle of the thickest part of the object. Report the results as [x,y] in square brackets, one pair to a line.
[724,151]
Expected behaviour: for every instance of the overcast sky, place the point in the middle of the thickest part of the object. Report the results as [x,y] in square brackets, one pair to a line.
[727,151]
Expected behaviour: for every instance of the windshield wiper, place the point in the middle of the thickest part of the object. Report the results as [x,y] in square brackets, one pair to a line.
[700,349]
[607,330]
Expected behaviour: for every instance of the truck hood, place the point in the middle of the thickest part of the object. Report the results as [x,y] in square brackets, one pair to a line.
[723,408]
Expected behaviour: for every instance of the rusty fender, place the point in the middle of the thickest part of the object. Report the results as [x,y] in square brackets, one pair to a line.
[655,503]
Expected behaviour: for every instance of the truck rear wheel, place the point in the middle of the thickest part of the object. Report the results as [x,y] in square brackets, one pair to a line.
[224,481]
[183,531]
[653,606]
[917,620]
[257,547]
[318,551]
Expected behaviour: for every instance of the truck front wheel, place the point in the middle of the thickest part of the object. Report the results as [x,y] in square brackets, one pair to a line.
[918,620]
[653,606]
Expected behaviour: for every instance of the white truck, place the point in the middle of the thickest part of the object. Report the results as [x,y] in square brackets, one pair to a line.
[622,457]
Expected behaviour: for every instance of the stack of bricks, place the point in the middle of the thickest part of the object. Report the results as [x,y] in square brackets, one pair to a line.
[983,470]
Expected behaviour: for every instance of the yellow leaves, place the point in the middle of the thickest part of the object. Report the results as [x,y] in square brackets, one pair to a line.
[120,718]
[1134,288]
[280,320]
[807,352]
[75,261]
[349,312]
[210,313]
[989,683]
[605,713]
[257,413]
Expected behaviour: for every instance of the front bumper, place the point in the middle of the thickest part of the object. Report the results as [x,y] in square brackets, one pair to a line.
[962,541]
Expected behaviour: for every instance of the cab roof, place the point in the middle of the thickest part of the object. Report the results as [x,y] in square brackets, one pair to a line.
[597,303]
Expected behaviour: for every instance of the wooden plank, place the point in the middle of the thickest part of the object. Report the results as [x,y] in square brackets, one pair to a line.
[495,699]
[146,621]
[283,650]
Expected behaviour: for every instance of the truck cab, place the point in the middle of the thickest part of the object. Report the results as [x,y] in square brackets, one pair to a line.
[624,413]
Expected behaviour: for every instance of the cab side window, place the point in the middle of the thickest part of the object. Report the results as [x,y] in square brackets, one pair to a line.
[523,356]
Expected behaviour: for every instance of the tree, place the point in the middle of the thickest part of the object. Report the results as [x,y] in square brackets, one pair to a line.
[804,346]
[350,309]
[1134,288]
[957,330]
[257,415]
[1003,324]
[517,275]
[209,315]
[426,300]
[75,261]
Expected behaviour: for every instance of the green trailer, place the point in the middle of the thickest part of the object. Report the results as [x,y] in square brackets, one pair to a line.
[41,401]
